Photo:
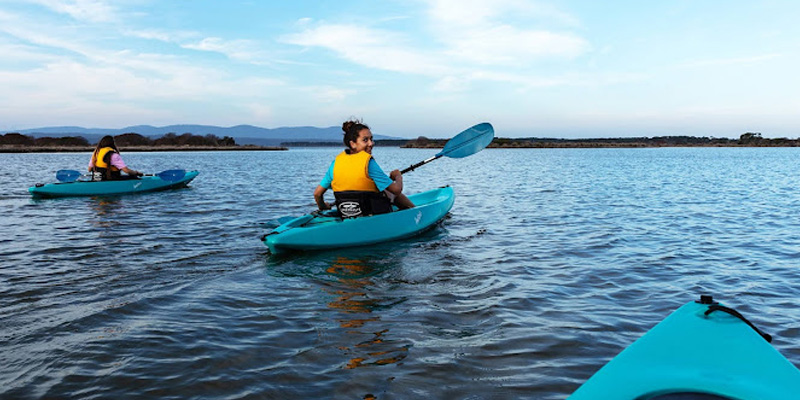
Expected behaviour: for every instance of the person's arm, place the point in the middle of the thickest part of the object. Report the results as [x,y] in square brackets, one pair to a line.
[319,197]
[384,182]
[91,162]
[392,184]
[116,161]
[396,188]
[324,185]
[131,172]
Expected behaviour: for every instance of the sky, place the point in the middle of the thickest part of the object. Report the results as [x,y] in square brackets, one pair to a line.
[550,68]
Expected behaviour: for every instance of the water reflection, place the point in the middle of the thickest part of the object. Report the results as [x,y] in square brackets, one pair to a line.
[105,211]
[357,301]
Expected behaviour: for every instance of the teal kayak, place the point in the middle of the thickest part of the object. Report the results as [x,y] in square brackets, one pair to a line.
[326,230]
[110,188]
[703,350]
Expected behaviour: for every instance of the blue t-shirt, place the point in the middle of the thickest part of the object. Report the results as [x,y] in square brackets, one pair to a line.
[382,181]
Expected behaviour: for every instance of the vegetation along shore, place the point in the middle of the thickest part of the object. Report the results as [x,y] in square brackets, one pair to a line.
[133,142]
[749,139]
[130,142]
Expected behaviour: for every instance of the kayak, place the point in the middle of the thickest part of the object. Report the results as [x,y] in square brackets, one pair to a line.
[110,188]
[327,230]
[703,350]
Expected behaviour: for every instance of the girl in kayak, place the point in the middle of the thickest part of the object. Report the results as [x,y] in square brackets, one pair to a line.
[107,162]
[360,186]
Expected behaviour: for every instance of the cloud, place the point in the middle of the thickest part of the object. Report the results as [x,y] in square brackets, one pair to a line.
[373,48]
[239,49]
[463,41]
[504,44]
[161,35]
[500,32]
[81,10]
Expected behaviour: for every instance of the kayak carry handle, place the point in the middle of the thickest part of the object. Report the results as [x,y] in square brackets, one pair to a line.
[718,307]
[706,299]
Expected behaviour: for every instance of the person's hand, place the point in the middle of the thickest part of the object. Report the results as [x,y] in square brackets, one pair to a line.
[394,174]
[326,206]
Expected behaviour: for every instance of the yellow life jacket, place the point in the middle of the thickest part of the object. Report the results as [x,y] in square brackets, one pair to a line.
[351,173]
[100,159]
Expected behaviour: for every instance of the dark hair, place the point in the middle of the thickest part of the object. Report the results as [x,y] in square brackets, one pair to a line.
[351,130]
[107,141]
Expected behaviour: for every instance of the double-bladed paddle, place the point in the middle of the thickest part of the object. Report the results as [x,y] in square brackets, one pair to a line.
[464,144]
[171,175]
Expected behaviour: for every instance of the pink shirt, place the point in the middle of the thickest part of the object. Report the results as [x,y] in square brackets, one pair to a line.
[116,161]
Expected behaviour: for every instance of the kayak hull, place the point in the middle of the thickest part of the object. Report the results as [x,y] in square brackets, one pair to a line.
[109,188]
[324,231]
[689,352]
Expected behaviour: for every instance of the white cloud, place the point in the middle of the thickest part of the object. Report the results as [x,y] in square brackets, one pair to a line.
[240,50]
[82,10]
[162,35]
[504,44]
[373,48]
[500,32]
[464,38]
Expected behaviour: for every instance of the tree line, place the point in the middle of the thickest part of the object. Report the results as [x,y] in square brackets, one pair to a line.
[749,139]
[124,140]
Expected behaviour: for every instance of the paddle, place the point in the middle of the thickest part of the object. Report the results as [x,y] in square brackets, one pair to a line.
[67,175]
[464,144]
[171,175]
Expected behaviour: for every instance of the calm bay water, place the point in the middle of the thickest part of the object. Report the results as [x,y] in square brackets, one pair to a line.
[551,262]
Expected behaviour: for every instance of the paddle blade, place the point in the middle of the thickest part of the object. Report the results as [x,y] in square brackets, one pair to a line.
[67,175]
[469,142]
[172,175]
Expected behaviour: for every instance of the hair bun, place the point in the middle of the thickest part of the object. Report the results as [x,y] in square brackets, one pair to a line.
[347,125]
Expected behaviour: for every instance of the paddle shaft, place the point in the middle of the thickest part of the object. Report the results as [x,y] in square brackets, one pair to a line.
[419,164]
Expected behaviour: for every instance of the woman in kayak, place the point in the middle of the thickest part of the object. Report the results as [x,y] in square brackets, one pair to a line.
[360,186]
[107,162]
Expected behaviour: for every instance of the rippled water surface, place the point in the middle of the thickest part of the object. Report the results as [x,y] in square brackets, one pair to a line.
[551,262]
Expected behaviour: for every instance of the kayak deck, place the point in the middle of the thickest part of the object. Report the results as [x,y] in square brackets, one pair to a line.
[696,354]
[326,230]
[109,188]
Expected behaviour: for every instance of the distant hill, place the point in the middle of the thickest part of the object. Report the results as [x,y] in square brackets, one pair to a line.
[243,134]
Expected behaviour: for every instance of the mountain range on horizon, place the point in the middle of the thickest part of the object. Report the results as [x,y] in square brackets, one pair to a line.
[243,134]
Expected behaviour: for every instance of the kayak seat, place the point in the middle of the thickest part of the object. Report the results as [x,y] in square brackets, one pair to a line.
[352,204]
[685,396]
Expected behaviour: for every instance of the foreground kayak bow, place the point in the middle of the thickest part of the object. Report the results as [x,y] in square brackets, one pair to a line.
[702,351]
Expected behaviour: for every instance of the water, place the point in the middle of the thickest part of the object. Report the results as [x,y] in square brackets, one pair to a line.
[551,262]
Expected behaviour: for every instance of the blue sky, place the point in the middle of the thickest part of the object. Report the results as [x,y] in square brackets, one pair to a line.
[561,68]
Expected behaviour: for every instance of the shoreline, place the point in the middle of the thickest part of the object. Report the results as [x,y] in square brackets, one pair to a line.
[135,149]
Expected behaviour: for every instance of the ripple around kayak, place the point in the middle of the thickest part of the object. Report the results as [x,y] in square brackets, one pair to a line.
[326,231]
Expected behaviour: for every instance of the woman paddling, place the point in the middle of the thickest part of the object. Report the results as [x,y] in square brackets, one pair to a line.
[107,163]
[360,186]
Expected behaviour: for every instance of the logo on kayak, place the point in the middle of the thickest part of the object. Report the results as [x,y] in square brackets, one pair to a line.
[136,186]
[349,209]
[418,217]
